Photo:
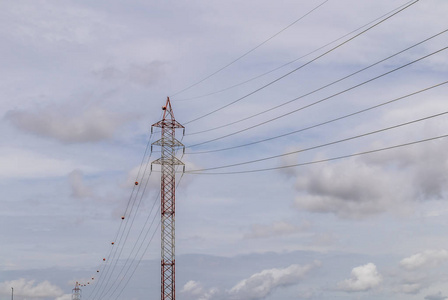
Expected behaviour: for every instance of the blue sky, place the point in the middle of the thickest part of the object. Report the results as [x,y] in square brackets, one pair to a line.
[83,81]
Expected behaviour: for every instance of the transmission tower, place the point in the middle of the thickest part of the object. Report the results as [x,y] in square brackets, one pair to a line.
[168,162]
[76,292]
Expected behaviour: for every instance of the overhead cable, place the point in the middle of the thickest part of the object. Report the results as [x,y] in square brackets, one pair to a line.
[323,145]
[117,244]
[318,89]
[119,274]
[322,160]
[118,237]
[291,62]
[319,101]
[129,263]
[120,245]
[143,253]
[300,67]
[322,123]
[253,49]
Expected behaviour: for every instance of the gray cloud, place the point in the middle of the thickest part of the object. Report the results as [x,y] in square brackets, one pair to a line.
[427,167]
[275,229]
[411,282]
[91,125]
[368,185]
[350,189]
[410,288]
[143,74]
[79,51]
[79,188]
[437,296]
[324,239]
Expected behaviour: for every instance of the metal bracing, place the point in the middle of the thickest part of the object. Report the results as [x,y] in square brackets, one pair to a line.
[76,292]
[168,162]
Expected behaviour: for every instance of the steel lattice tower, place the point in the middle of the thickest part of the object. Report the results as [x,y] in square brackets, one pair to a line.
[168,162]
[76,292]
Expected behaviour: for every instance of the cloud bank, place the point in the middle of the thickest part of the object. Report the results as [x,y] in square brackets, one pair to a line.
[30,289]
[64,125]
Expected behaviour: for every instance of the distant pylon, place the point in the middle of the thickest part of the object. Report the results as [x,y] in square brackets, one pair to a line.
[168,162]
[76,292]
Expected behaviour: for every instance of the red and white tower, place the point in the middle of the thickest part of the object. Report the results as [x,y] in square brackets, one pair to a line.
[76,292]
[168,162]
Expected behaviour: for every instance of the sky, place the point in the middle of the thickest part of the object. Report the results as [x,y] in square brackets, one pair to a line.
[281,103]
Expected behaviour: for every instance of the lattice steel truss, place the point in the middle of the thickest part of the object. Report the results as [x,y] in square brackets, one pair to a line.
[76,292]
[168,162]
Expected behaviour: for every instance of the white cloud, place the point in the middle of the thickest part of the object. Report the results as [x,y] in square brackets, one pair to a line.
[261,284]
[192,287]
[275,229]
[65,297]
[140,174]
[31,289]
[195,291]
[425,259]
[19,163]
[363,278]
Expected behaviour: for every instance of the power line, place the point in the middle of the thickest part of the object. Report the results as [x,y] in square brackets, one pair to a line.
[322,123]
[138,263]
[127,234]
[324,145]
[322,160]
[119,246]
[319,101]
[300,67]
[293,61]
[146,249]
[253,49]
[319,89]
[117,241]
[138,250]
[122,277]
